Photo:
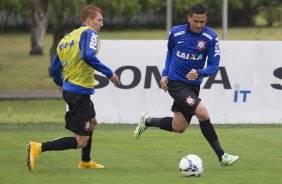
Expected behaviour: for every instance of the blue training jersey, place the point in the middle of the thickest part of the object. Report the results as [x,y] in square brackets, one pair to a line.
[188,50]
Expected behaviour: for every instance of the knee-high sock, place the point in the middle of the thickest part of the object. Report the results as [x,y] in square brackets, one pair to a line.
[62,143]
[211,136]
[163,123]
[85,152]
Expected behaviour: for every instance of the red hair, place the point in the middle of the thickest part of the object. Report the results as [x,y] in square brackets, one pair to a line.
[89,11]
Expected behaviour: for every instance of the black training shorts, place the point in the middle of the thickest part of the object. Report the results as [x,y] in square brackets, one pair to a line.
[81,111]
[185,98]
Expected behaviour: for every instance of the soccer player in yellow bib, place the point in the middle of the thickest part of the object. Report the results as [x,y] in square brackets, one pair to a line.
[73,69]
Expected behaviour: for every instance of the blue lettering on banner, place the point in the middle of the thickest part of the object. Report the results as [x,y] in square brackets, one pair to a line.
[243,92]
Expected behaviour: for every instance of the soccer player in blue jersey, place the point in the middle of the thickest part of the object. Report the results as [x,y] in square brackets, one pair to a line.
[73,69]
[190,47]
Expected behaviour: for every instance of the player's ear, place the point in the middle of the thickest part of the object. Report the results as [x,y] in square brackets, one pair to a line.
[87,21]
[188,18]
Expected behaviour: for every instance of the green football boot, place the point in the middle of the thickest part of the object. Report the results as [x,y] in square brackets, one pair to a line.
[141,126]
[228,159]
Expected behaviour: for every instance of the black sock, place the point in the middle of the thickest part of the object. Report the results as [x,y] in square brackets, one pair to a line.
[210,134]
[166,124]
[62,143]
[153,122]
[163,123]
[85,152]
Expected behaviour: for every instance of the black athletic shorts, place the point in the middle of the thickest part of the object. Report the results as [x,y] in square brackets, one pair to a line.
[185,98]
[81,111]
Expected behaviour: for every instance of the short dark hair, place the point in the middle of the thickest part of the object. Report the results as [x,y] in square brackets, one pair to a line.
[198,9]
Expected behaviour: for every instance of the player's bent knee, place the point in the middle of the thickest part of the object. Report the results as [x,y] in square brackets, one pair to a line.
[201,112]
[179,129]
[81,141]
[83,144]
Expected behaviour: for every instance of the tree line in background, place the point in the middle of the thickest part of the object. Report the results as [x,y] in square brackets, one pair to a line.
[121,14]
[60,16]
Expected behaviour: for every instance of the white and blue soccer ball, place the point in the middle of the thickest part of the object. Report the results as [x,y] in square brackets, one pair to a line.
[191,165]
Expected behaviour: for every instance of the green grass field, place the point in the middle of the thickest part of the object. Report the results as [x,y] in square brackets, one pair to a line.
[32,111]
[152,159]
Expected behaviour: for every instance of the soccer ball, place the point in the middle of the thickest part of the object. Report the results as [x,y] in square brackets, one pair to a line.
[191,165]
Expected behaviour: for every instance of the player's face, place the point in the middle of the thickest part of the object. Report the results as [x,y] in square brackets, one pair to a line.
[97,22]
[197,22]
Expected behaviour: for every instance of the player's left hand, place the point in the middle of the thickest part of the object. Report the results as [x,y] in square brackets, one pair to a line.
[192,75]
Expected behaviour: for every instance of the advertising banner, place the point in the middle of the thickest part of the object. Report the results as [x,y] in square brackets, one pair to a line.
[246,89]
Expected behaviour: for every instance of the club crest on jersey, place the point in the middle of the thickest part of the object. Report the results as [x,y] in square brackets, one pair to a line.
[201,44]
[190,101]
[87,126]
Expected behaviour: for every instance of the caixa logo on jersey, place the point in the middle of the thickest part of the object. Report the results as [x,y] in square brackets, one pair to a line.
[152,74]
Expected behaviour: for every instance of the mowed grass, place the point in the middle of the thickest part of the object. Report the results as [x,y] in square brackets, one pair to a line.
[32,111]
[20,71]
[152,159]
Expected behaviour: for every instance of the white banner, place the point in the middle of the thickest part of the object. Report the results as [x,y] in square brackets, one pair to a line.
[246,89]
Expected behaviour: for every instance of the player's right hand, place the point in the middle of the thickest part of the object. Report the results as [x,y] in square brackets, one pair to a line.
[192,75]
[115,80]
[164,82]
